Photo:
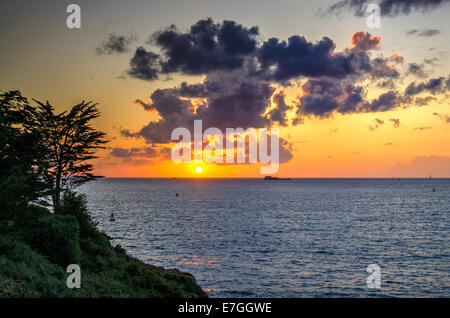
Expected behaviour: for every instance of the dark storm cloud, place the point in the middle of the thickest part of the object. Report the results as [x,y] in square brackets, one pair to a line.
[319,97]
[323,97]
[282,61]
[278,114]
[199,90]
[211,47]
[115,44]
[165,103]
[433,86]
[390,8]
[423,32]
[207,47]
[318,105]
[144,65]
[354,99]
[237,39]
[191,90]
[417,70]
[384,102]
[227,100]
[381,69]
[174,111]
[236,104]
[241,105]
[237,89]
[423,101]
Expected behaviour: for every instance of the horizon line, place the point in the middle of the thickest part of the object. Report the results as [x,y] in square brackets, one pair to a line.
[261,178]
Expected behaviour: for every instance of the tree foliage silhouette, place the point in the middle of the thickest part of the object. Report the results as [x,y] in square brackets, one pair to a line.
[71,142]
[43,153]
[21,153]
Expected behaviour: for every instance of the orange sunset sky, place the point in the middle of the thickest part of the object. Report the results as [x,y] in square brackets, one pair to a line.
[324,81]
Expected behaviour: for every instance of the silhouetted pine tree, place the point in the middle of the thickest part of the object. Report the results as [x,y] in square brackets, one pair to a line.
[21,153]
[71,142]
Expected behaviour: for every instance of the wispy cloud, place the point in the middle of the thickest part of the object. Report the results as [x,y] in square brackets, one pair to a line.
[444,117]
[115,44]
[423,32]
[378,123]
[389,8]
[395,122]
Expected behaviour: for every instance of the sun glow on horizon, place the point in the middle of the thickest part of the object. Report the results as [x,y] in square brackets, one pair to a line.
[199,169]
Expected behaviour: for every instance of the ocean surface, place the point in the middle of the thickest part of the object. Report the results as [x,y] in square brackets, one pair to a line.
[295,238]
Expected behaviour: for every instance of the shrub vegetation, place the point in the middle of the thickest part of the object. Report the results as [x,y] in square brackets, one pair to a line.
[43,155]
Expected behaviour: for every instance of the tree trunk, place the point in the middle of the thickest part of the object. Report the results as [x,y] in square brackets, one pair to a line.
[57,191]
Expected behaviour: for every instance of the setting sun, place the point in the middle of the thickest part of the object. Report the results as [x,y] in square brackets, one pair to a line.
[206,146]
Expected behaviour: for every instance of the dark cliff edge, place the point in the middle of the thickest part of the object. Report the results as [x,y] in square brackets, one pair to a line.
[37,246]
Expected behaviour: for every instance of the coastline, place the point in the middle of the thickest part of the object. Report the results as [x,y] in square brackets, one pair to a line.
[37,246]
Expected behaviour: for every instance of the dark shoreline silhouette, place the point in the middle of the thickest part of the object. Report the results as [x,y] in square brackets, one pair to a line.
[275,178]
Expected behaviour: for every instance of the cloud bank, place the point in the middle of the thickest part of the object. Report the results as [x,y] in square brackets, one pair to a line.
[390,8]
[243,79]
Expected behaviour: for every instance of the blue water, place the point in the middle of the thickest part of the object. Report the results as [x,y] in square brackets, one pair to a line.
[297,238]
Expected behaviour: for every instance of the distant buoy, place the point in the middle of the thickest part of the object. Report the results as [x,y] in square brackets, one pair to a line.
[112,218]
[434,190]
[176,194]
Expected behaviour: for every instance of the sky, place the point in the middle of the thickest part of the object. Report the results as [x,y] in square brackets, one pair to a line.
[349,100]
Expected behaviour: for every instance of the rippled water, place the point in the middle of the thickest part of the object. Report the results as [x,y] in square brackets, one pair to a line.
[297,238]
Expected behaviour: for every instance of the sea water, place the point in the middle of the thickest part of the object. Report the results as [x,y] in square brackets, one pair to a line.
[286,238]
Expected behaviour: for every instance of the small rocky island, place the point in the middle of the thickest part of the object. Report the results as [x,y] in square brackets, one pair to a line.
[275,178]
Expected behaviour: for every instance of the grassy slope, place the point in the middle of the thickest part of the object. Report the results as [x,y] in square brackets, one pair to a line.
[37,246]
